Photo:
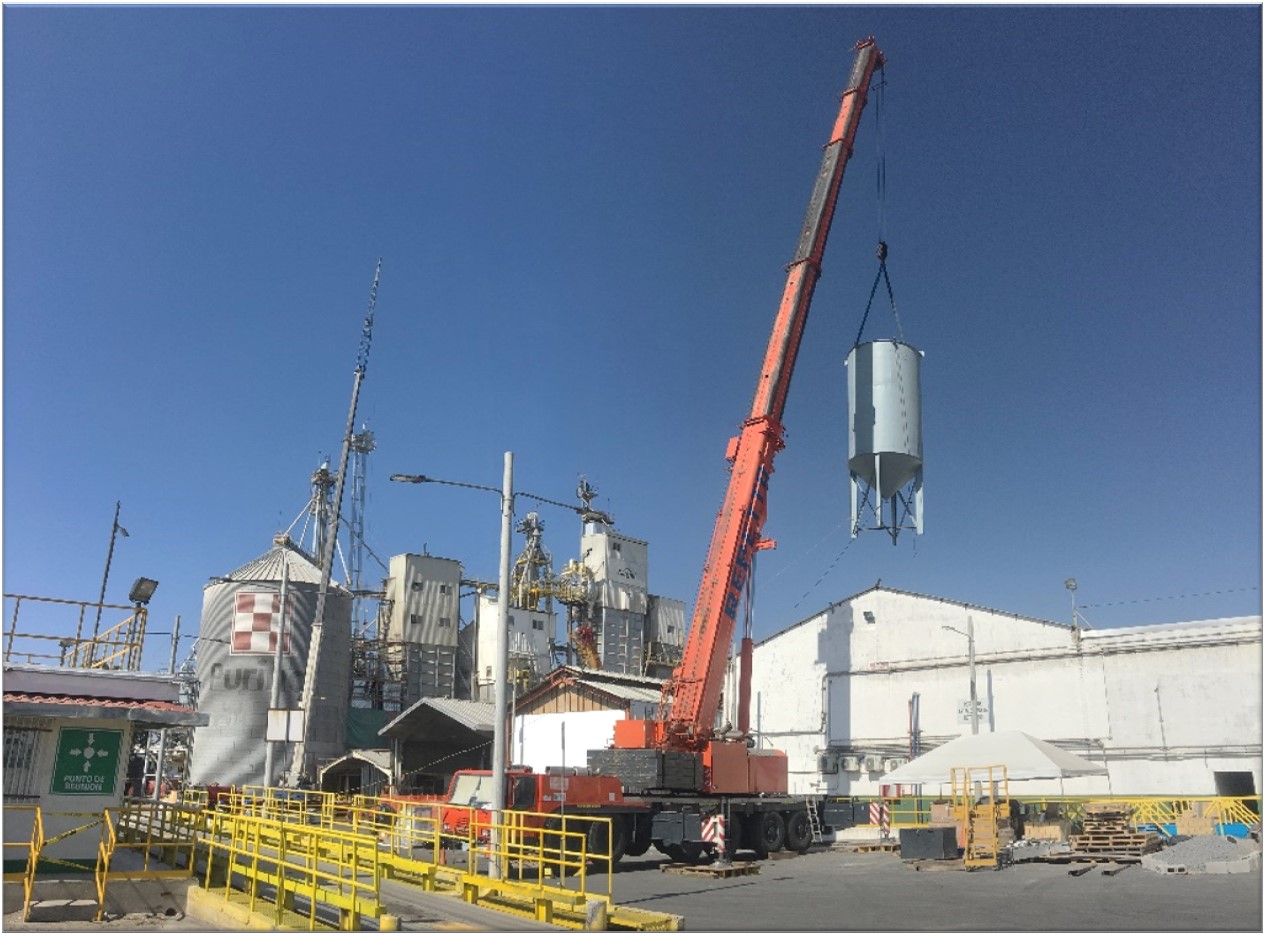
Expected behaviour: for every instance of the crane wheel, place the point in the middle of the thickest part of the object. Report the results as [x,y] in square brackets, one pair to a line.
[598,846]
[772,832]
[799,832]
[639,835]
[560,850]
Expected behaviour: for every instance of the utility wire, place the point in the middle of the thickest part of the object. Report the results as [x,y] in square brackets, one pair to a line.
[824,575]
[1172,597]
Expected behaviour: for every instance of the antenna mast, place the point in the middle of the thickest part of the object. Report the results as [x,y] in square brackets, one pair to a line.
[299,766]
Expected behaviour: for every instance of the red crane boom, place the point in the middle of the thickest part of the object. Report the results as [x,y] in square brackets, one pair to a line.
[692,695]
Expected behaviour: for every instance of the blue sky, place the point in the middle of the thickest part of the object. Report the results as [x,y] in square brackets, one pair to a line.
[584,216]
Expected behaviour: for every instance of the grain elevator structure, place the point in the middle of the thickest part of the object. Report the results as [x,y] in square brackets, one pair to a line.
[595,612]
[422,609]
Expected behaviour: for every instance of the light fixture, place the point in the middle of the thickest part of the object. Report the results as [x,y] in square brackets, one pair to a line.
[1070,584]
[142,590]
[409,478]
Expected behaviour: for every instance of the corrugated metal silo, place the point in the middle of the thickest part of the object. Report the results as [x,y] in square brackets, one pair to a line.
[240,629]
[885,431]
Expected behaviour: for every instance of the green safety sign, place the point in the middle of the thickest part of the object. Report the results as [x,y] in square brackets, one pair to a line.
[87,761]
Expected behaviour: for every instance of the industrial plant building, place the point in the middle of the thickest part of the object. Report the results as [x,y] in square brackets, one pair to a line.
[855,690]
[849,693]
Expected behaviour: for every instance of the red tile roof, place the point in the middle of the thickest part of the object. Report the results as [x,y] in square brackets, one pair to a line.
[95,702]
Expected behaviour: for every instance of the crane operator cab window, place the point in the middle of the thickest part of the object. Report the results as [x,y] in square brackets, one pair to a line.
[524,798]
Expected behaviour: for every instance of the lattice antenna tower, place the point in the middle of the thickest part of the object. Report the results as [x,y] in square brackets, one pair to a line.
[362,444]
[319,507]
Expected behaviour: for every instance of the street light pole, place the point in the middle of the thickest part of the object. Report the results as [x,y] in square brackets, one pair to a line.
[970,649]
[970,661]
[501,646]
[274,700]
[1070,584]
[500,705]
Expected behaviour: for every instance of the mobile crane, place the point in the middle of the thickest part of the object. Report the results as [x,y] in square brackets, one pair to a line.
[690,698]
[663,776]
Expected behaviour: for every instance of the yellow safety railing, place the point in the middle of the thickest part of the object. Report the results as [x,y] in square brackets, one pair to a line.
[315,806]
[192,797]
[915,811]
[287,864]
[32,845]
[535,865]
[158,833]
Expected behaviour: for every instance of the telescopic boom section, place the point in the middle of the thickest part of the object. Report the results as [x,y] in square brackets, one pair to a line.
[695,686]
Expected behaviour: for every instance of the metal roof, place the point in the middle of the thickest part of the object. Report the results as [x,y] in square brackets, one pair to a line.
[426,714]
[378,759]
[624,692]
[302,567]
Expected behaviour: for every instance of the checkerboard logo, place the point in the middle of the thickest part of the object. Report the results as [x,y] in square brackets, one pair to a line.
[257,624]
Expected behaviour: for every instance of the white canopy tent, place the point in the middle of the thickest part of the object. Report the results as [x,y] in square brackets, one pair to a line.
[1024,756]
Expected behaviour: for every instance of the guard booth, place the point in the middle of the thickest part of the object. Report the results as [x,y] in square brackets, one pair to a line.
[72,707]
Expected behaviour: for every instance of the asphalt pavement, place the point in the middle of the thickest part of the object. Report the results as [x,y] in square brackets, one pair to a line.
[836,890]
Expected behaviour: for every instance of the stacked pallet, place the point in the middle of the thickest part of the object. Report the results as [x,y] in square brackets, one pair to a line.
[1108,830]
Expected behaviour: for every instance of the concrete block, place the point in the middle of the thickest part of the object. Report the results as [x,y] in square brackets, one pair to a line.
[1217,866]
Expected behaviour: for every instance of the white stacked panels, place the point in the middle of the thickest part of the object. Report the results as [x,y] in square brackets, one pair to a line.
[529,635]
[240,629]
[425,596]
[665,622]
[620,567]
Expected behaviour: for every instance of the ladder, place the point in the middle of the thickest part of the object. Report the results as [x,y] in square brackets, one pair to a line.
[814,817]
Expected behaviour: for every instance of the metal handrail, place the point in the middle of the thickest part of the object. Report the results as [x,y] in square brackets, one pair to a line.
[118,647]
[33,848]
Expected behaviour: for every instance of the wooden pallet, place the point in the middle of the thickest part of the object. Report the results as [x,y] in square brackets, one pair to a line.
[1079,857]
[1132,844]
[881,847]
[714,871]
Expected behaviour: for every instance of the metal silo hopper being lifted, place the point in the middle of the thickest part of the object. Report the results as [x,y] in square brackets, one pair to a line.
[885,436]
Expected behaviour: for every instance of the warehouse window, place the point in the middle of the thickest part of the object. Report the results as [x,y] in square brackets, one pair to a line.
[445,621]
[445,589]
[538,624]
[21,744]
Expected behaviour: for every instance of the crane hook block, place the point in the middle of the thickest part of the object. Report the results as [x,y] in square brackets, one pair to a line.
[881,252]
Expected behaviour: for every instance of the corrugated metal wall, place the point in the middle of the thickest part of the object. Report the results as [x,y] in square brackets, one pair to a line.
[424,592]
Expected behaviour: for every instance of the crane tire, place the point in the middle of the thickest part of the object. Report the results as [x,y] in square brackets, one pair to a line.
[554,845]
[618,845]
[639,835]
[773,831]
[753,835]
[799,832]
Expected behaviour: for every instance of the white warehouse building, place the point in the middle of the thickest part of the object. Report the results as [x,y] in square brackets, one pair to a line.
[852,691]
